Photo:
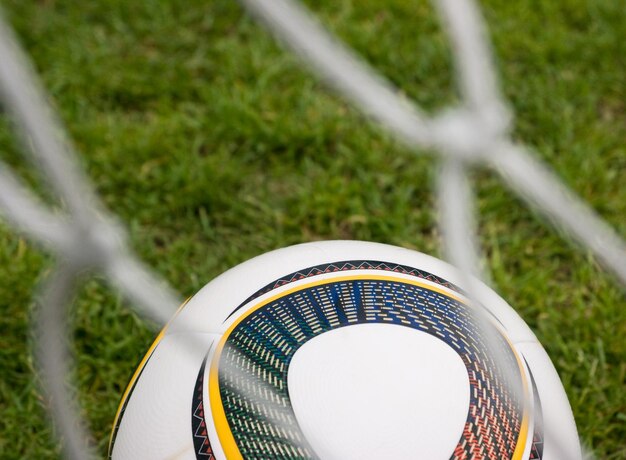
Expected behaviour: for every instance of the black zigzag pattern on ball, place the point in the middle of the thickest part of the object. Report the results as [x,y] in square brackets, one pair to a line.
[348,265]
[201,443]
[536,452]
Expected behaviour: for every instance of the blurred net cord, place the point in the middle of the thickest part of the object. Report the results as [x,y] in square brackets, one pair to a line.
[86,238]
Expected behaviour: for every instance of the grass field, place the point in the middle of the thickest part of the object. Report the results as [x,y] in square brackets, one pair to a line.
[212,145]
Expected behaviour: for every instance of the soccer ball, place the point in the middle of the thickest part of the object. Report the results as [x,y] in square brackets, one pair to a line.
[344,350]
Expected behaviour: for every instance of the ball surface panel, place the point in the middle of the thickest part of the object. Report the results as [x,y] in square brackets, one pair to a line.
[380,384]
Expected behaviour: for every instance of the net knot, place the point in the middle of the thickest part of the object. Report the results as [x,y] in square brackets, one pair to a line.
[95,245]
[463,134]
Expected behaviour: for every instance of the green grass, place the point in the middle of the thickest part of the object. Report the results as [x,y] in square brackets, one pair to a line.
[212,145]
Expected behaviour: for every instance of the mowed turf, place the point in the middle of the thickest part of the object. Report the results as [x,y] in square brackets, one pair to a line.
[212,145]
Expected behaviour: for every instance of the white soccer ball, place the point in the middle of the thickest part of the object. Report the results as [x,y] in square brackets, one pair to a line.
[344,350]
